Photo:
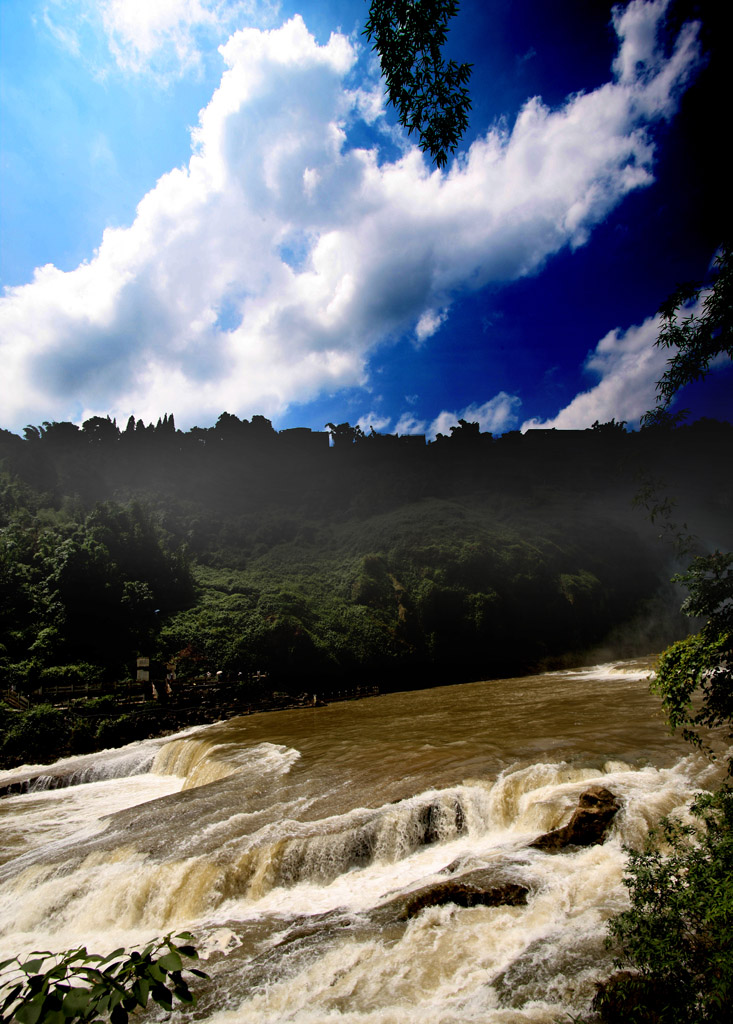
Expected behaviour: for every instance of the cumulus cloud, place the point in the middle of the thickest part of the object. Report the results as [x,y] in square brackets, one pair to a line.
[628,365]
[409,424]
[269,269]
[494,416]
[373,419]
[429,323]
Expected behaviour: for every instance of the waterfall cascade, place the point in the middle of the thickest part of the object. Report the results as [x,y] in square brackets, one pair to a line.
[291,844]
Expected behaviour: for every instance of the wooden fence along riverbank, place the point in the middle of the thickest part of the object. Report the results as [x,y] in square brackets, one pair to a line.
[193,692]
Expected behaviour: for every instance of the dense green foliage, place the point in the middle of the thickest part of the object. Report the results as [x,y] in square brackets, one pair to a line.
[82,590]
[380,560]
[701,665]
[429,94]
[56,988]
[674,945]
[44,732]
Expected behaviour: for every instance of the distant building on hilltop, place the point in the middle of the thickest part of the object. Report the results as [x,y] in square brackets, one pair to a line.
[304,440]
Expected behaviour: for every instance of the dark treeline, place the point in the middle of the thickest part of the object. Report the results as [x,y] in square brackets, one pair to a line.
[369,559]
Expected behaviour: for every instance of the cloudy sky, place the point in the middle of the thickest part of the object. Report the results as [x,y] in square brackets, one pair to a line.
[206,206]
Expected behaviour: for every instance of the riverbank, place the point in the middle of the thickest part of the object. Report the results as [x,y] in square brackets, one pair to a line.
[45,733]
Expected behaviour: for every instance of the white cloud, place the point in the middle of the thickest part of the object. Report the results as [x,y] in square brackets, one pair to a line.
[629,365]
[163,38]
[409,424]
[495,416]
[429,323]
[268,270]
[65,35]
[373,419]
[144,34]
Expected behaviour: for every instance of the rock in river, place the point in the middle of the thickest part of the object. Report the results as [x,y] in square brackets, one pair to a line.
[589,824]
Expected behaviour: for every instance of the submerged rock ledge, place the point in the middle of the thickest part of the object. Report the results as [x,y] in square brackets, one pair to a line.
[588,826]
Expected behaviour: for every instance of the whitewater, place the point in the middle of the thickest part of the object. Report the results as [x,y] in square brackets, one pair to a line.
[290,844]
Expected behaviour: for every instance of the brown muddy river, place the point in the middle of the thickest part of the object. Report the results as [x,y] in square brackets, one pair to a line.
[284,842]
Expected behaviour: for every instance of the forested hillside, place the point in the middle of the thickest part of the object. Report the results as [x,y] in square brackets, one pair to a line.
[376,559]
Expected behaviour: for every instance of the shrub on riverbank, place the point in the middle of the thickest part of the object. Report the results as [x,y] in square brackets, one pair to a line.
[674,945]
[30,735]
[44,733]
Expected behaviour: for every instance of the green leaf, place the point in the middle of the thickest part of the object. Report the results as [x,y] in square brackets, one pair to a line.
[141,989]
[103,1003]
[71,989]
[113,956]
[31,1011]
[156,973]
[162,997]
[170,962]
[54,1017]
[78,954]
[91,974]
[37,983]
[119,1015]
[77,1000]
[115,996]
[32,966]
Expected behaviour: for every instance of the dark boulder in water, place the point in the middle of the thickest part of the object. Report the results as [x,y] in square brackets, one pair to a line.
[509,894]
[477,888]
[588,826]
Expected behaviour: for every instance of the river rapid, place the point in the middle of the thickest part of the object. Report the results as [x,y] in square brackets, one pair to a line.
[288,841]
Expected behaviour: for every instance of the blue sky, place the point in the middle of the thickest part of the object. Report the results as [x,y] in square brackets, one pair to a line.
[206,206]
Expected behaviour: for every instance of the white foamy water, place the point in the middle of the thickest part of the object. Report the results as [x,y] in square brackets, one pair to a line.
[290,842]
[46,817]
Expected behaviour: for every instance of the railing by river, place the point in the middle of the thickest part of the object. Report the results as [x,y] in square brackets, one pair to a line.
[231,696]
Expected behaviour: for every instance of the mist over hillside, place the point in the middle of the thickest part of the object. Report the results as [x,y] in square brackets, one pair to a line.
[351,558]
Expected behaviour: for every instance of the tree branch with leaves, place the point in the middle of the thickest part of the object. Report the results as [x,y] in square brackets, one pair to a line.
[695,339]
[430,95]
[77,986]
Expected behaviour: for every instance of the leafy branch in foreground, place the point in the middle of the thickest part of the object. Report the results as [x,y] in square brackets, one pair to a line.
[702,664]
[674,945]
[660,510]
[56,988]
[696,338]
[430,95]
